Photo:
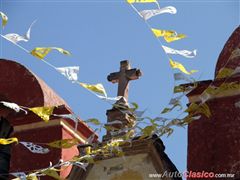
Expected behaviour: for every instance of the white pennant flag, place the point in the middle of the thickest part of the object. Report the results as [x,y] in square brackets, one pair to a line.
[15,38]
[13,106]
[237,104]
[73,117]
[61,163]
[196,117]
[185,53]
[236,71]
[81,165]
[139,114]
[176,100]
[180,76]
[71,72]
[147,14]
[91,138]
[124,130]
[106,98]
[235,53]
[69,163]
[35,148]
[204,97]
[20,175]
[114,122]
[68,116]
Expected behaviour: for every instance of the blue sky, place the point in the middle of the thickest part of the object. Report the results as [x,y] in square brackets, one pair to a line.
[100,34]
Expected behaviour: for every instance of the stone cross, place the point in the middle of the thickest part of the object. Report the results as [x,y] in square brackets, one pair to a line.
[123,77]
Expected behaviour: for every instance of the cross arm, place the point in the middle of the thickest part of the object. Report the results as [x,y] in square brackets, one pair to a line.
[113,77]
[131,74]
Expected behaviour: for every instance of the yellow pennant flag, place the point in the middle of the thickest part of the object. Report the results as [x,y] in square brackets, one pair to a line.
[141,1]
[163,33]
[88,158]
[205,110]
[148,131]
[224,72]
[52,173]
[178,89]
[174,38]
[32,177]
[8,141]
[167,110]
[97,88]
[64,143]
[41,52]
[93,121]
[4,19]
[202,108]
[88,150]
[177,65]
[223,88]
[43,112]
[168,35]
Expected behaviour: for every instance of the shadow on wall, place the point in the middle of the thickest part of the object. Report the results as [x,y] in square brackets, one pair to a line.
[5,150]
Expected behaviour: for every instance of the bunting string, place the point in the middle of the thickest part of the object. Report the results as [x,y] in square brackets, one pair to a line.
[41,54]
[208,93]
[186,53]
[169,36]
[71,73]
[15,38]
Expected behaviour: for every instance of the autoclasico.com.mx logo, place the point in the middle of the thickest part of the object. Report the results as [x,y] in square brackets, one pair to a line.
[192,174]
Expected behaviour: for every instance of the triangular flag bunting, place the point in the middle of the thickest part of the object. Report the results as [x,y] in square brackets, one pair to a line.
[201,108]
[4,19]
[52,172]
[15,38]
[162,33]
[43,112]
[8,141]
[147,14]
[64,143]
[41,52]
[177,65]
[185,53]
[13,106]
[180,76]
[71,73]
[174,38]
[35,148]
[168,35]
[97,88]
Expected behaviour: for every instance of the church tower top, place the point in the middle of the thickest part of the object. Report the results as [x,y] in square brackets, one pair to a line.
[230,55]
[21,86]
